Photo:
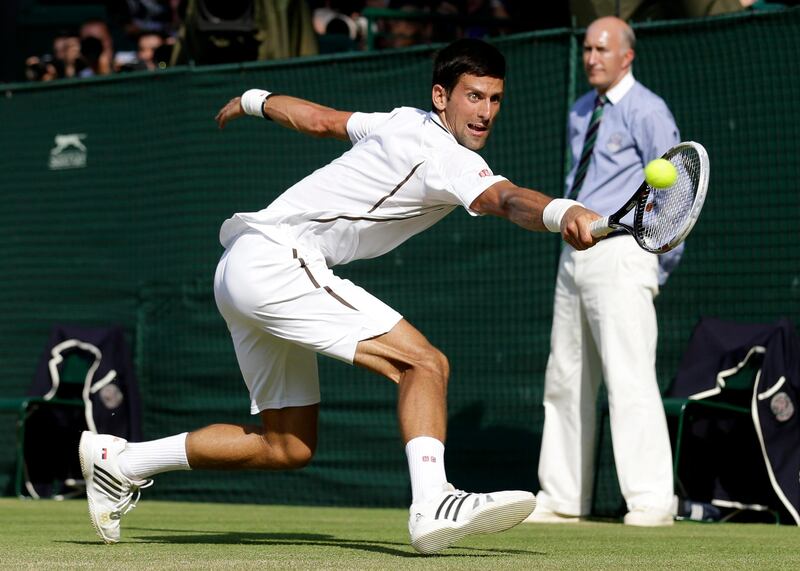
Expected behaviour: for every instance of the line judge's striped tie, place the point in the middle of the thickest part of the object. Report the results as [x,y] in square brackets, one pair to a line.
[588,146]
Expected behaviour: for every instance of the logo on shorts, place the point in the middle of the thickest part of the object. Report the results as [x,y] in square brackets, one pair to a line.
[69,152]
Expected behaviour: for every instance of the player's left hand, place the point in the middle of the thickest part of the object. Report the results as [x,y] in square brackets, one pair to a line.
[575,227]
[232,110]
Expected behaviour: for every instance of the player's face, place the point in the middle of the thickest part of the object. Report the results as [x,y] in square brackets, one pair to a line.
[470,109]
[606,59]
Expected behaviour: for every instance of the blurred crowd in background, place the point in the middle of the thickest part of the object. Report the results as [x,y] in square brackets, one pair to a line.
[136,35]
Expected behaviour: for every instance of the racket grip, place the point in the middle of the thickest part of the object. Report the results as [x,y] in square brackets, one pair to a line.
[600,227]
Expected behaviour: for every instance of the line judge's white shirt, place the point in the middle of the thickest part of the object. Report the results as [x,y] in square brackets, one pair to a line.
[404,173]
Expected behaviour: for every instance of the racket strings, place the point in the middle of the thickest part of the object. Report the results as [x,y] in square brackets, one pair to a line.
[663,213]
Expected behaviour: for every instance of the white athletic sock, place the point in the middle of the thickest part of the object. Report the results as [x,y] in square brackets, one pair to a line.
[140,460]
[426,468]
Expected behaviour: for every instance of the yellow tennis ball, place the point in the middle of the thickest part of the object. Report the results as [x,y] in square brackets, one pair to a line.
[660,173]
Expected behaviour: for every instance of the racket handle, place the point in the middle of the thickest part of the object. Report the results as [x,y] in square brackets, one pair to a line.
[600,227]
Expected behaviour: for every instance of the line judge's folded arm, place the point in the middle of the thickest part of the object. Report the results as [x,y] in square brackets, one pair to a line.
[525,207]
[292,112]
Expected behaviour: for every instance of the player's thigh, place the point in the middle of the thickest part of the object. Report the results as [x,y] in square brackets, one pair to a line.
[278,373]
[291,294]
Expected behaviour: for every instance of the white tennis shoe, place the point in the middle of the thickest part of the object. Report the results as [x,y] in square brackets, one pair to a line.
[646,517]
[455,514]
[543,515]
[110,494]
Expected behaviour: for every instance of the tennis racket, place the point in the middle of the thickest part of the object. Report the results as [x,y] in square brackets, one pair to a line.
[663,217]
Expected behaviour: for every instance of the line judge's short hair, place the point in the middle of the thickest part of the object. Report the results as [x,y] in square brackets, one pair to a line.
[470,56]
[629,36]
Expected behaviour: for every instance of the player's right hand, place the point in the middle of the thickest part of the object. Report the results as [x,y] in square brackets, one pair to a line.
[575,227]
[232,110]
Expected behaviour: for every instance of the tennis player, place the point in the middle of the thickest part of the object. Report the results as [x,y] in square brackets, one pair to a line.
[406,170]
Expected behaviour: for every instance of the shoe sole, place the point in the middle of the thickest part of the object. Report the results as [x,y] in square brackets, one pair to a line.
[492,518]
[87,468]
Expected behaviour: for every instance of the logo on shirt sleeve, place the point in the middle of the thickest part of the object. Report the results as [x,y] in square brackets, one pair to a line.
[485,172]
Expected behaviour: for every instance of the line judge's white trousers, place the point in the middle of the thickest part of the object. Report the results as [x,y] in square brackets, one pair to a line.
[604,328]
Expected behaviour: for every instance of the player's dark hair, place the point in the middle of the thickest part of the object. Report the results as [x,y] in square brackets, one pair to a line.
[470,56]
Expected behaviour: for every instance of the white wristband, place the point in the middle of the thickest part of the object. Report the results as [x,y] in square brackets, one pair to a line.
[253,101]
[554,212]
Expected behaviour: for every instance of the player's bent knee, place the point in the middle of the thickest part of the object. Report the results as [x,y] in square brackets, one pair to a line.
[289,436]
[299,457]
[435,365]
[442,365]
[292,455]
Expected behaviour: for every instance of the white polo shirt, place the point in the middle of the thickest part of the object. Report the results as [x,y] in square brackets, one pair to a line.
[404,173]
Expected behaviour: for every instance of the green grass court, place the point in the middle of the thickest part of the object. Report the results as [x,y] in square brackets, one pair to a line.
[169,535]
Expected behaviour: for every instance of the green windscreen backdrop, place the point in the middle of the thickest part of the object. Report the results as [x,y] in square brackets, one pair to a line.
[113,191]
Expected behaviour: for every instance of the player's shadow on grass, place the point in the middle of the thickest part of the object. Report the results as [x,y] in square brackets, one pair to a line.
[316,539]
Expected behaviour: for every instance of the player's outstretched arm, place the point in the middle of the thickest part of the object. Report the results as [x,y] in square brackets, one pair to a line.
[536,211]
[291,112]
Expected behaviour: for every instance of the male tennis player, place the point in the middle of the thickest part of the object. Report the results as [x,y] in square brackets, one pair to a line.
[283,304]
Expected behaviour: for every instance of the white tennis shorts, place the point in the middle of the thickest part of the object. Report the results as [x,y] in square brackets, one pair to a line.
[283,305]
